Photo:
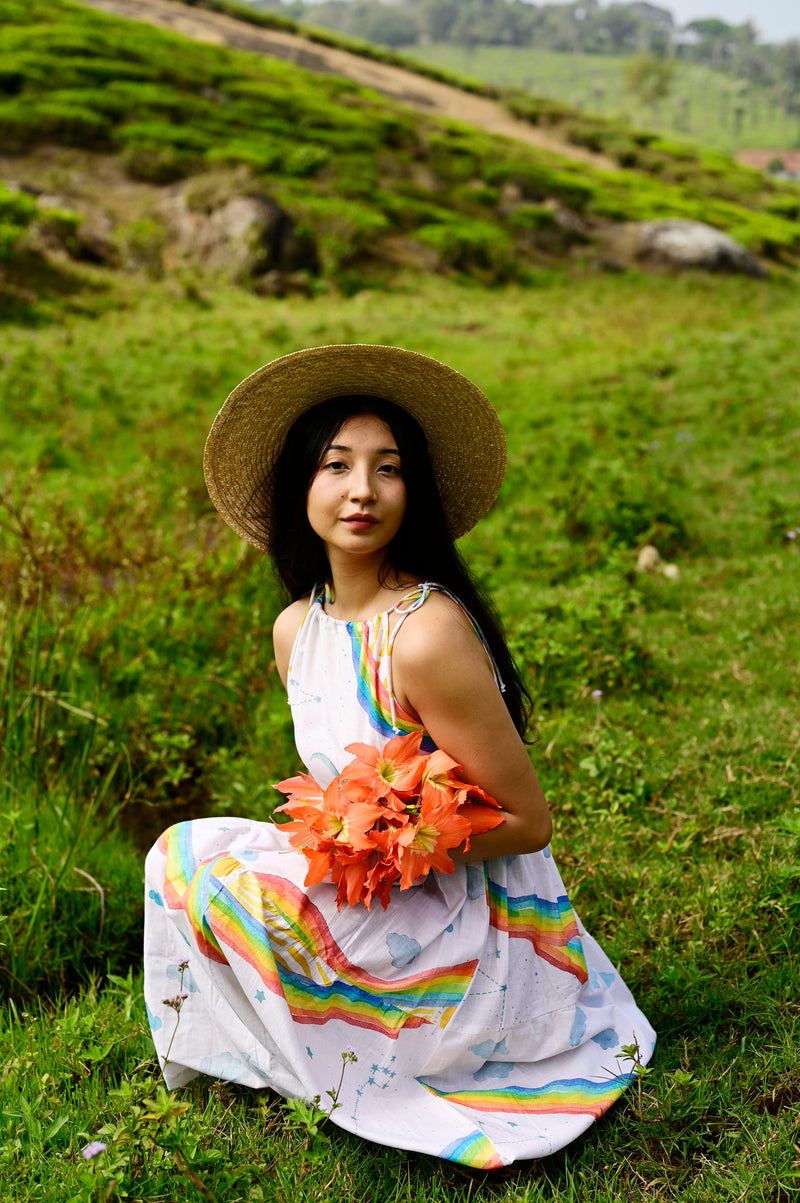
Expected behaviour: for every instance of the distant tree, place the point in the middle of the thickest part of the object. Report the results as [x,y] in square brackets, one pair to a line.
[334,14]
[749,61]
[788,63]
[715,41]
[437,18]
[656,27]
[386,24]
[622,25]
[649,77]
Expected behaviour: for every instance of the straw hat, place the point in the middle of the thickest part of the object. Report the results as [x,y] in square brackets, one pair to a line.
[465,438]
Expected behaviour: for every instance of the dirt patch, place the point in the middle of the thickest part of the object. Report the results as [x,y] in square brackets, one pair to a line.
[416,91]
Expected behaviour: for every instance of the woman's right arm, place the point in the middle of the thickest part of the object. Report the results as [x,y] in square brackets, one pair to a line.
[284,633]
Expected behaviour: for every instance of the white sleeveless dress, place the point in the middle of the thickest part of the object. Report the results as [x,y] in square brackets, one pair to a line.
[486,1022]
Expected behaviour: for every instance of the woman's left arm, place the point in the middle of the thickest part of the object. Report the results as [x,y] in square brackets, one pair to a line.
[442,674]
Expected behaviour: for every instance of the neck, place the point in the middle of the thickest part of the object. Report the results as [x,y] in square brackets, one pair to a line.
[357,589]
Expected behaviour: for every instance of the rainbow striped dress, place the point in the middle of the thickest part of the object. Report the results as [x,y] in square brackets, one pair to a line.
[487,1024]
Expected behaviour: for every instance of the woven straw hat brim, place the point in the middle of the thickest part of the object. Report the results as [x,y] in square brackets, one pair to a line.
[465,438]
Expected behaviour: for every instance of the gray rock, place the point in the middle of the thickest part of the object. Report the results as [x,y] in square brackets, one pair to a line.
[242,238]
[677,243]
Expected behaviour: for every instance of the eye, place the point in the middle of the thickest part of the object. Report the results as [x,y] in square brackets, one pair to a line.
[390,469]
[335,464]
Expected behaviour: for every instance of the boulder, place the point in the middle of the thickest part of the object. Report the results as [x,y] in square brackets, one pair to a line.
[241,238]
[676,243]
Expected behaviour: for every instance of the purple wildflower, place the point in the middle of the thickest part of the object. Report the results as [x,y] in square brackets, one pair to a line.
[597,694]
[791,534]
[91,1150]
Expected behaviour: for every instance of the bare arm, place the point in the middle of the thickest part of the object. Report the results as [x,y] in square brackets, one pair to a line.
[442,674]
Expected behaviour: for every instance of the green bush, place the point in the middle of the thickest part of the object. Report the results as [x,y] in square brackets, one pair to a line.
[620,504]
[531,217]
[539,182]
[262,154]
[576,639]
[469,245]
[304,160]
[17,212]
[342,229]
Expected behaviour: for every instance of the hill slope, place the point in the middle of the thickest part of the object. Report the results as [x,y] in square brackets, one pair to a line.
[399,83]
[313,176]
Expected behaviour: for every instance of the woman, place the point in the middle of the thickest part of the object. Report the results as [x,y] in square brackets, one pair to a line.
[486,1023]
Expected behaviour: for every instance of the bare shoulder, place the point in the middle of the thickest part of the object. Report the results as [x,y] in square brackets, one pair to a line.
[439,631]
[284,633]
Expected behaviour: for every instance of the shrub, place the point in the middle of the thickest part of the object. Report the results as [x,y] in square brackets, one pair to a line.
[539,182]
[342,229]
[17,212]
[468,244]
[577,638]
[304,160]
[531,217]
[621,504]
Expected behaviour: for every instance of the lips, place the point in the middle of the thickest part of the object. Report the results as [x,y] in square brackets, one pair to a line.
[360,521]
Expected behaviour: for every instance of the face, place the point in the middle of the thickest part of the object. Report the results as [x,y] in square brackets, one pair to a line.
[357,499]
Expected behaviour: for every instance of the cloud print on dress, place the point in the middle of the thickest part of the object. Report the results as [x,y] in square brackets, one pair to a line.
[493,1069]
[487,1047]
[188,981]
[578,1028]
[608,1038]
[403,949]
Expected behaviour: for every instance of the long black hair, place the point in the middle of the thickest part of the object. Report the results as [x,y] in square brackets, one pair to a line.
[422,547]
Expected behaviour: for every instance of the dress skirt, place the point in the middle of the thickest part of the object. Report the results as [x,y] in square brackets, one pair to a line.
[487,1024]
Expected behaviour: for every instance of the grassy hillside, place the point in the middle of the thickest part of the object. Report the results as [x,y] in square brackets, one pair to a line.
[138,687]
[366,182]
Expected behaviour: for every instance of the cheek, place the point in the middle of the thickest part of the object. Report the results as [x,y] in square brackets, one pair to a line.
[401,505]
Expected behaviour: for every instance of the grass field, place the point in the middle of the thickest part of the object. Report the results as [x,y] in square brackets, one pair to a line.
[138,687]
[702,104]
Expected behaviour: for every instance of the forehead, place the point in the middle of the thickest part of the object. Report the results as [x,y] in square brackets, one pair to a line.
[363,430]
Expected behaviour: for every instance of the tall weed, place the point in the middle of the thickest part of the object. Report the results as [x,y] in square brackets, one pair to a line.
[69,890]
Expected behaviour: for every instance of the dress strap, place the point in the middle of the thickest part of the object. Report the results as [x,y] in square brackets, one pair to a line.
[411,602]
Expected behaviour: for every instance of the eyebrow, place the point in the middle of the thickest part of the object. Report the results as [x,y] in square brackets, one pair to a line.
[380,451]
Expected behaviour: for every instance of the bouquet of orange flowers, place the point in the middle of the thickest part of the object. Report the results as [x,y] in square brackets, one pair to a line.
[389,815]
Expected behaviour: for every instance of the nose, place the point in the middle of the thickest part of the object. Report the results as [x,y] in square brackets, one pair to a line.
[362,489]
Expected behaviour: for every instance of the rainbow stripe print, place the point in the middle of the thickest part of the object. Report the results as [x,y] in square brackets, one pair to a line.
[271,924]
[475,1150]
[567,1096]
[176,845]
[551,927]
[369,647]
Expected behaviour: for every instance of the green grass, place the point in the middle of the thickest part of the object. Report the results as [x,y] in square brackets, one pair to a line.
[701,105]
[138,681]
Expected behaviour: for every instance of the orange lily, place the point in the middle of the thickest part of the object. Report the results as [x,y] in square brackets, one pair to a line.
[335,819]
[301,788]
[439,827]
[440,771]
[398,766]
[391,814]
